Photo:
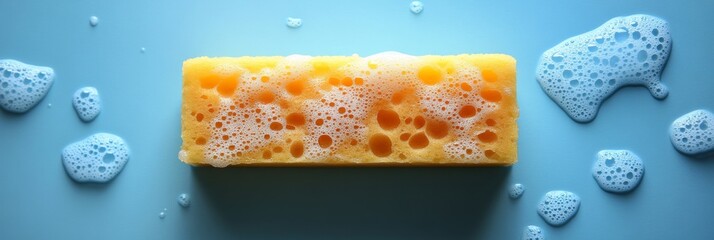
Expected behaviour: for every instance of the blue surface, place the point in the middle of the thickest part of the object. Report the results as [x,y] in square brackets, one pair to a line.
[141,103]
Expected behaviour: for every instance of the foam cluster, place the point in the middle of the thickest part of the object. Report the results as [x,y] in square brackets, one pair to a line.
[693,133]
[389,107]
[293,22]
[582,71]
[516,191]
[618,170]
[416,7]
[97,158]
[87,103]
[184,200]
[22,85]
[558,207]
[532,232]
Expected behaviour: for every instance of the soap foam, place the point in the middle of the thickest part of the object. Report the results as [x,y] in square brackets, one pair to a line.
[87,103]
[693,133]
[338,115]
[583,71]
[532,232]
[558,207]
[416,7]
[97,158]
[618,170]
[184,200]
[293,22]
[516,191]
[22,86]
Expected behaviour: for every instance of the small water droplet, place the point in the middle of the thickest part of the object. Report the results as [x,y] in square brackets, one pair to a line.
[93,21]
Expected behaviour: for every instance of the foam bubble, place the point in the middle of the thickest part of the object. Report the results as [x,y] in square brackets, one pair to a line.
[618,170]
[97,158]
[516,191]
[533,233]
[143,50]
[582,71]
[558,207]
[87,103]
[184,200]
[22,85]
[293,22]
[416,7]
[93,21]
[693,133]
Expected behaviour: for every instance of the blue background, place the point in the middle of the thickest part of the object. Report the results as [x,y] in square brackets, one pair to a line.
[142,97]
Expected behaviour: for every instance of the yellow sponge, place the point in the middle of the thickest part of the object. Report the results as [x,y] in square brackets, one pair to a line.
[385,109]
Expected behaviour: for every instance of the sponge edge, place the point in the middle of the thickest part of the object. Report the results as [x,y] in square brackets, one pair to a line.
[387,109]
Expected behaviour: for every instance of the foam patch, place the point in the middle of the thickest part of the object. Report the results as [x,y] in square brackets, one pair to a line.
[22,85]
[693,133]
[558,207]
[533,233]
[97,158]
[516,191]
[293,22]
[582,71]
[618,170]
[416,7]
[87,103]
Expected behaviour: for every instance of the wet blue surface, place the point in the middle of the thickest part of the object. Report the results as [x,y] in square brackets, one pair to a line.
[141,97]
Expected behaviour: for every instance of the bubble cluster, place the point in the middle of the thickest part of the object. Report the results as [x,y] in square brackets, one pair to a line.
[583,71]
[385,107]
[558,207]
[693,133]
[516,191]
[184,200]
[22,86]
[416,7]
[87,103]
[93,21]
[532,232]
[618,170]
[97,158]
[293,22]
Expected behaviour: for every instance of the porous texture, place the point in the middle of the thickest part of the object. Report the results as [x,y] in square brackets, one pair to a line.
[386,109]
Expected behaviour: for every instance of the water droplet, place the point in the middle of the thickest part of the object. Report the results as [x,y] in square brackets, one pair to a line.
[93,21]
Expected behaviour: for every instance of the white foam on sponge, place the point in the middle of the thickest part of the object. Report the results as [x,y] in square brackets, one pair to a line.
[342,111]
[416,7]
[582,71]
[97,158]
[516,191]
[532,232]
[22,85]
[87,103]
[293,22]
[618,170]
[558,207]
[693,133]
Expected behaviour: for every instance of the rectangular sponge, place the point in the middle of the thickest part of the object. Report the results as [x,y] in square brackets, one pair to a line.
[387,109]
